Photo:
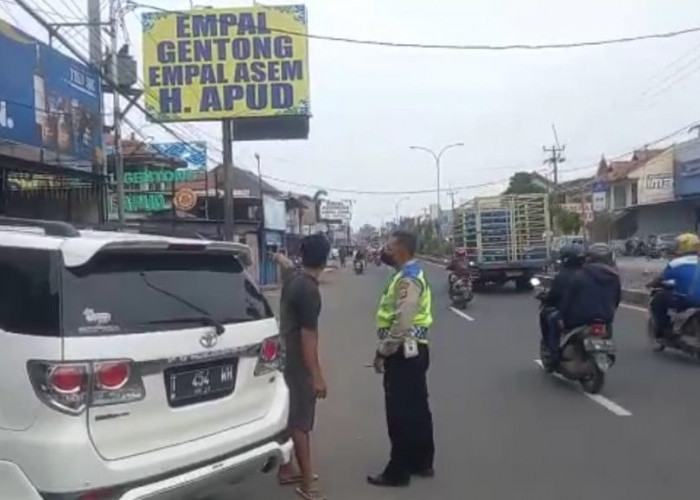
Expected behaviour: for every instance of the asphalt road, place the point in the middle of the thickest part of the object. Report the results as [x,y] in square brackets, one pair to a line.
[504,429]
[637,271]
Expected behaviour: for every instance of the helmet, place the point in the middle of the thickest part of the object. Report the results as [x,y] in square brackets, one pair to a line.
[572,254]
[687,243]
[460,252]
[600,253]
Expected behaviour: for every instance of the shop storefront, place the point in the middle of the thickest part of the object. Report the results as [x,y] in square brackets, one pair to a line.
[50,133]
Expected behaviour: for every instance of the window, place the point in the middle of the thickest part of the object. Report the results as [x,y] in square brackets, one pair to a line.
[29,301]
[635,192]
[123,292]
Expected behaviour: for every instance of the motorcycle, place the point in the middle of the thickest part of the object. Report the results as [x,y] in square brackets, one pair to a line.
[685,332]
[460,291]
[586,353]
[359,267]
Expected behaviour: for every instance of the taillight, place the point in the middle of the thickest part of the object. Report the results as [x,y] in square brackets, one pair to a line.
[68,379]
[112,376]
[72,387]
[270,357]
[598,330]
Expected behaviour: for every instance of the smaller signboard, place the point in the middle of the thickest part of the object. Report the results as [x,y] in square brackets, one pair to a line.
[185,199]
[275,213]
[340,211]
[600,196]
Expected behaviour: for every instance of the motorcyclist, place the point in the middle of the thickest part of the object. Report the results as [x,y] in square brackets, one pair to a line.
[572,258]
[683,269]
[459,265]
[594,292]
[359,255]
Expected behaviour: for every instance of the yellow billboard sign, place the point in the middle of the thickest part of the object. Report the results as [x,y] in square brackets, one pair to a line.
[212,64]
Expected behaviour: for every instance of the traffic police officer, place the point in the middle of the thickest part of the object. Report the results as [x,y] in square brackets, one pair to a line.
[403,319]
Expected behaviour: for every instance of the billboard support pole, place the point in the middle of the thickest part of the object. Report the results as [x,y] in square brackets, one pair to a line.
[118,158]
[227,135]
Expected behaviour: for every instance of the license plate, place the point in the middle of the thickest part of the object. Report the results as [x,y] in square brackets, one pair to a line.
[513,274]
[599,345]
[190,384]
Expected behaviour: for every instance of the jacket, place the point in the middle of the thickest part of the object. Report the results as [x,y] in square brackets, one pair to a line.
[560,284]
[593,295]
[459,267]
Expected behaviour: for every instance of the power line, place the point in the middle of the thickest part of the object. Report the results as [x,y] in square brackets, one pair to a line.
[490,47]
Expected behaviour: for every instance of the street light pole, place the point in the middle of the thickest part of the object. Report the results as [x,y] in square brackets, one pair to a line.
[437,157]
[397,209]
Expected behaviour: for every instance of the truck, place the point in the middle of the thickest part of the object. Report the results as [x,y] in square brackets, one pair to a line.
[505,237]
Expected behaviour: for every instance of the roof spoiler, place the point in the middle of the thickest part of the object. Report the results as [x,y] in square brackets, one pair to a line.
[50,227]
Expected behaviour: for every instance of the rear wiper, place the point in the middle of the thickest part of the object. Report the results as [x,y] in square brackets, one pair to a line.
[206,316]
[203,320]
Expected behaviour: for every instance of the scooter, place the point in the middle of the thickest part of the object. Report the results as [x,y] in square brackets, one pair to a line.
[586,353]
[460,291]
[685,332]
[359,267]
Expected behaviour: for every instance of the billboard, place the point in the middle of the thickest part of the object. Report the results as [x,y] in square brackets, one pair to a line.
[340,211]
[211,64]
[193,153]
[50,104]
[687,168]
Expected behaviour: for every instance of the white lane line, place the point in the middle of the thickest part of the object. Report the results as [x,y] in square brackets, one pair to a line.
[609,405]
[634,308]
[461,313]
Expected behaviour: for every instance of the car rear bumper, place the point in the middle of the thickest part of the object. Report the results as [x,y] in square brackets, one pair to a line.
[41,455]
[214,475]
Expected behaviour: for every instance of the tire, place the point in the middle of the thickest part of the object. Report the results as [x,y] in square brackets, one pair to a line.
[656,345]
[545,358]
[595,381]
[523,285]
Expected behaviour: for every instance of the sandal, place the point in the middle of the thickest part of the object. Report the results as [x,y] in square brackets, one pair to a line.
[310,494]
[296,479]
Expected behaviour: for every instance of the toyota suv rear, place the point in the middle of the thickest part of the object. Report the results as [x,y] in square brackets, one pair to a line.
[132,366]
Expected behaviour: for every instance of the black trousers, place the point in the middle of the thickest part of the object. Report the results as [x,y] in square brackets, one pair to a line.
[408,415]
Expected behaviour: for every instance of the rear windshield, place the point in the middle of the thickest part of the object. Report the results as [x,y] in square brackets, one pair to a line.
[119,293]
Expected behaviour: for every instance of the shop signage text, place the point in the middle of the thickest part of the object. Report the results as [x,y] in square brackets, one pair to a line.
[212,64]
[158,176]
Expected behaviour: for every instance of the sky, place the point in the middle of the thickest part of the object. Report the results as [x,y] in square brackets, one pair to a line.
[371,104]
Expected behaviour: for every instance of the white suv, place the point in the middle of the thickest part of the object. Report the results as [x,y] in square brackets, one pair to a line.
[132,366]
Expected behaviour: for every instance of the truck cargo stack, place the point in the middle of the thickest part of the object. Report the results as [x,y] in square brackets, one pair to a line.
[506,238]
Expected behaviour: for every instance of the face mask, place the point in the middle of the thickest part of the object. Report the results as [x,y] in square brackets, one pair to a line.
[387,258]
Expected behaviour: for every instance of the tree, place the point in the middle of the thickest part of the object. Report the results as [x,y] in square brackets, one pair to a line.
[524,183]
[569,222]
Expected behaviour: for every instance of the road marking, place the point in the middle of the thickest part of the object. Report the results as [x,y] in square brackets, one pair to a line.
[461,313]
[609,405]
[634,308]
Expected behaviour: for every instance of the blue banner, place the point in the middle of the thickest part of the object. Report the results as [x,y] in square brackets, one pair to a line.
[48,100]
[194,153]
[687,168]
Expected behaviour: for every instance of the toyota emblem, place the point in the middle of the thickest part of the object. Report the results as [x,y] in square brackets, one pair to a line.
[209,340]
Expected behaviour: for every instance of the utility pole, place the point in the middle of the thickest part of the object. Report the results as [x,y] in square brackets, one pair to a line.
[117,115]
[555,157]
[227,136]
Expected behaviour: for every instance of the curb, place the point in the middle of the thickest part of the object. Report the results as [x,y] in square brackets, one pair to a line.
[630,296]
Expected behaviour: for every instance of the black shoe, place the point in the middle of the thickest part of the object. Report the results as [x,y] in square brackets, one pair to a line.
[424,473]
[383,481]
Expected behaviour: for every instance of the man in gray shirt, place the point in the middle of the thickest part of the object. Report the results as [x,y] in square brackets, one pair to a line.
[300,306]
